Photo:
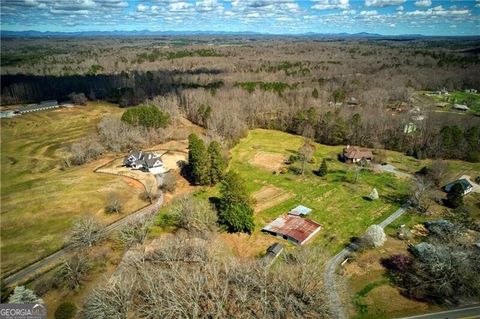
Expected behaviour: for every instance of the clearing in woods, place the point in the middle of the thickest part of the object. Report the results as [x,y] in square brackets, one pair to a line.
[268,160]
[39,199]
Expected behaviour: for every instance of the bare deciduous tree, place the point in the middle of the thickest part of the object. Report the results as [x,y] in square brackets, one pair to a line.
[114,203]
[134,233]
[421,194]
[74,271]
[86,232]
[150,193]
[188,278]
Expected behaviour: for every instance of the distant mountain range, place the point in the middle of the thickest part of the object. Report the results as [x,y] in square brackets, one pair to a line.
[148,33]
[136,33]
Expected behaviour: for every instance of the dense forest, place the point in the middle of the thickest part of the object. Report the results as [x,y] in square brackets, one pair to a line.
[336,91]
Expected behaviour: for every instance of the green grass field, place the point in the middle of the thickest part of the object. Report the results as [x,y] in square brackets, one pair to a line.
[39,201]
[337,201]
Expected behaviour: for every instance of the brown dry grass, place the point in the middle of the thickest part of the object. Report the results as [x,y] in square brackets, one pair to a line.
[269,196]
[246,246]
[267,160]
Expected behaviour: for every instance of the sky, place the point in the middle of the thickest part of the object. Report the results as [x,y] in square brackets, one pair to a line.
[388,17]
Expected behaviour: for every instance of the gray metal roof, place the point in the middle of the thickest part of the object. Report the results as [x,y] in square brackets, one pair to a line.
[465,184]
[275,249]
[35,107]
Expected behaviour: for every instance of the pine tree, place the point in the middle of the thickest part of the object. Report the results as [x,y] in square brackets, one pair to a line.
[198,161]
[217,162]
[23,295]
[234,210]
[455,195]
[323,170]
[315,93]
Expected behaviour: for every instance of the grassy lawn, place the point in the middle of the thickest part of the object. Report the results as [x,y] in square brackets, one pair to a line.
[39,201]
[337,202]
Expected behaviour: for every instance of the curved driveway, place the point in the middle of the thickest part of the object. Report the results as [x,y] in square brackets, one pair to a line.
[334,301]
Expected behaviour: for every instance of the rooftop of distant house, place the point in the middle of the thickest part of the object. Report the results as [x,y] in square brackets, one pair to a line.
[355,152]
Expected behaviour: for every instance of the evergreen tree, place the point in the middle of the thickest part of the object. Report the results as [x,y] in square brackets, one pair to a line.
[323,170]
[147,116]
[198,161]
[234,210]
[23,295]
[455,195]
[315,93]
[217,162]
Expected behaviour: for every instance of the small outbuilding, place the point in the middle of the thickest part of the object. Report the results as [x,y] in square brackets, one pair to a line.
[42,106]
[300,210]
[461,107]
[293,228]
[272,253]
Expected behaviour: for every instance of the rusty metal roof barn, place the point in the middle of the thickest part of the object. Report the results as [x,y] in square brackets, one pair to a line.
[294,228]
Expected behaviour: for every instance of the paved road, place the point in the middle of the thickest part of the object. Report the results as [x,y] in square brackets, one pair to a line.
[54,259]
[333,298]
[467,312]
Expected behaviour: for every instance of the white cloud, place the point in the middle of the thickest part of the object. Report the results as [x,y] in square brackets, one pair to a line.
[369,13]
[77,5]
[331,4]
[180,7]
[400,8]
[439,11]
[207,5]
[142,8]
[423,3]
[383,3]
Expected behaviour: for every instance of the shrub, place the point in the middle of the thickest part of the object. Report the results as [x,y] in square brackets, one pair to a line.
[295,170]
[169,182]
[78,99]
[66,310]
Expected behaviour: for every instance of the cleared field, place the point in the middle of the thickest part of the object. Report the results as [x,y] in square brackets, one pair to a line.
[269,196]
[337,201]
[39,200]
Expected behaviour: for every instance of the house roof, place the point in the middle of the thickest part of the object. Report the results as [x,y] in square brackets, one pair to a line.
[294,227]
[300,210]
[151,161]
[354,152]
[465,184]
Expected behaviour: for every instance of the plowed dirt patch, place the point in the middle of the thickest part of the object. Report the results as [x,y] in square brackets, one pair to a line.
[269,161]
[269,196]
